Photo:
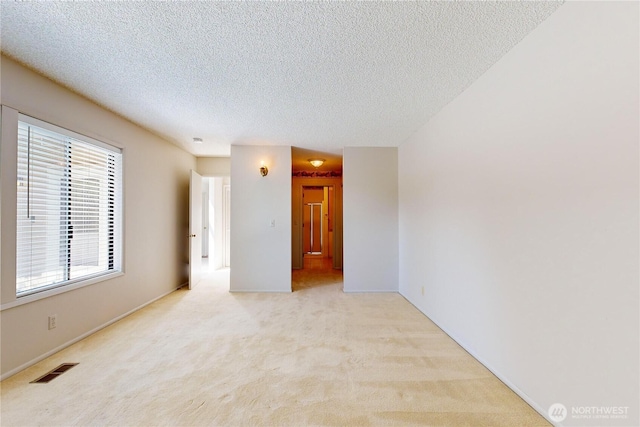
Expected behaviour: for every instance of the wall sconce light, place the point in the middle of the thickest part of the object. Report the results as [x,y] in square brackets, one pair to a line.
[263,169]
[316,162]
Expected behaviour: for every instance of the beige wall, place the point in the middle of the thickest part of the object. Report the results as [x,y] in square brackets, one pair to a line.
[519,213]
[156,180]
[213,166]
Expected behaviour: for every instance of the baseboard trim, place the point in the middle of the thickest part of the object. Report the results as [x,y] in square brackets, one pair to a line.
[536,407]
[81,337]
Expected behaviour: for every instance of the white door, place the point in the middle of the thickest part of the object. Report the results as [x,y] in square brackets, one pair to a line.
[227,225]
[205,221]
[195,229]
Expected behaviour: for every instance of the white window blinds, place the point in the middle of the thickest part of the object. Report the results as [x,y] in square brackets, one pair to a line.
[69,207]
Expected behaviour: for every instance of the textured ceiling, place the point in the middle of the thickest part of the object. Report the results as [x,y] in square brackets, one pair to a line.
[317,75]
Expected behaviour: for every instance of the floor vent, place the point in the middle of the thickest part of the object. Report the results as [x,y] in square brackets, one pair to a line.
[54,373]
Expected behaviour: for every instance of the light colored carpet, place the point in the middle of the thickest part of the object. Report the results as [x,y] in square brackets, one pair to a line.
[313,357]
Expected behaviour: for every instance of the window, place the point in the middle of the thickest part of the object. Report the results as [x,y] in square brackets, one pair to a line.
[69,207]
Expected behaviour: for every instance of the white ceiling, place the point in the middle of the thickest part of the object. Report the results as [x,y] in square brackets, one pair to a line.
[316,75]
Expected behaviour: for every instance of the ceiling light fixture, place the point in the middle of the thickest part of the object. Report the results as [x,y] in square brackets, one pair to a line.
[197,140]
[316,162]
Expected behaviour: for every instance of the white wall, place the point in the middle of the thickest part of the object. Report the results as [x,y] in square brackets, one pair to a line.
[370,218]
[519,213]
[260,254]
[156,181]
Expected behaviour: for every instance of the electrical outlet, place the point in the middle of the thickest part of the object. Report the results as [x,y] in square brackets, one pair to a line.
[422,290]
[53,321]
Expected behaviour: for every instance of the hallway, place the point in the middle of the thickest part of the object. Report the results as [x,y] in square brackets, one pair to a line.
[317,271]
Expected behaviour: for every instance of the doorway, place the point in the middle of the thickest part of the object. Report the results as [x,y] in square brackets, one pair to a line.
[317,240]
[316,232]
[318,202]
[216,223]
[317,217]
[312,229]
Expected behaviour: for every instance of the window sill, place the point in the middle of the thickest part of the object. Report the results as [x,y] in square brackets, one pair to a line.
[57,291]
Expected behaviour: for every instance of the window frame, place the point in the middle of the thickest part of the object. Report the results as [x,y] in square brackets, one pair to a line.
[10,125]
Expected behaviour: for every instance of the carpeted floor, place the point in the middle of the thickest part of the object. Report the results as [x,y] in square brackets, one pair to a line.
[316,356]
